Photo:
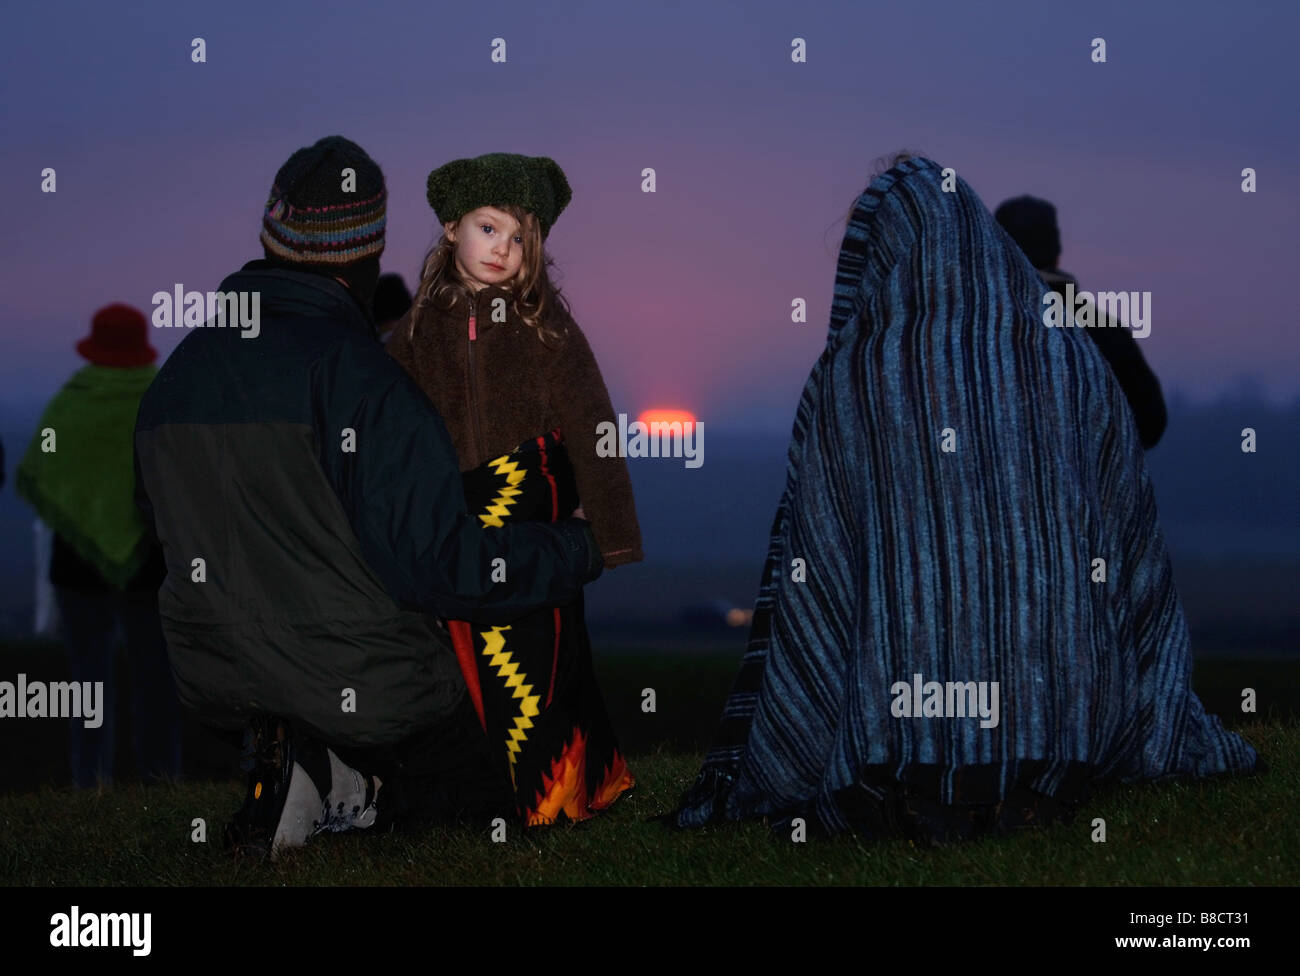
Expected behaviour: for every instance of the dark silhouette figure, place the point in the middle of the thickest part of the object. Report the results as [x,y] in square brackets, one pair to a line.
[1031,222]
[392,302]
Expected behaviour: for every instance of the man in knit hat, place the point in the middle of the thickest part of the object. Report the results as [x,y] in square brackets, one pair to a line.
[312,516]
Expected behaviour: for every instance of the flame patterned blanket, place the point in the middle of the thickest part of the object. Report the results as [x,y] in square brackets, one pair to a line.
[532,680]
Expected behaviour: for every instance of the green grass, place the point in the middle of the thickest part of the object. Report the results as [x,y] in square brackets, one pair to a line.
[1235,831]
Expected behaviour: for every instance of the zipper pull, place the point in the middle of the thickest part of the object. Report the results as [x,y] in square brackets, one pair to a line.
[472,333]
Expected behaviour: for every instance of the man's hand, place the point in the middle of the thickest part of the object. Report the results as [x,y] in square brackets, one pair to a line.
[578,513]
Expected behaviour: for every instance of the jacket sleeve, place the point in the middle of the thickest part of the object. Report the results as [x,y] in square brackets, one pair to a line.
[401,489]
[579,398]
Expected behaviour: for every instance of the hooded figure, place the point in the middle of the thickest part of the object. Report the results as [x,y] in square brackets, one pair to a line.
[967,617]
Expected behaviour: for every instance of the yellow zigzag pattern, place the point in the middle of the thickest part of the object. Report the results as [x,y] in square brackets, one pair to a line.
[499,658]
[500,506]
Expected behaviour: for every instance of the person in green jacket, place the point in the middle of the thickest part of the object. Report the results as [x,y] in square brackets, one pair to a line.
[105,566]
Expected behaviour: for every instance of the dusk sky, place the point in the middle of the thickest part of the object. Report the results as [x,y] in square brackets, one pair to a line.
[163,165]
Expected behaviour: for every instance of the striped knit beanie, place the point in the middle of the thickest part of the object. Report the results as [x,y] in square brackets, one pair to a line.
[310,217]
[535,183]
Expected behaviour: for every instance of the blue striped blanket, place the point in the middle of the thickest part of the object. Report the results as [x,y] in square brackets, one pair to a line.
[967,514]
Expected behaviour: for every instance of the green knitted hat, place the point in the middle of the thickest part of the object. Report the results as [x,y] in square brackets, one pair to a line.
[535,183]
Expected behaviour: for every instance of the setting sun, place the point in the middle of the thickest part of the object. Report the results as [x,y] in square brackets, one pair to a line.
[682,417]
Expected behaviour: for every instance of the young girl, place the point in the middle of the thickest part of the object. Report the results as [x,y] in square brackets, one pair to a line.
[490,340]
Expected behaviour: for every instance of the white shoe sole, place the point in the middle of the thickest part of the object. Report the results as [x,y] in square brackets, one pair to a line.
[302,807]
[345,808]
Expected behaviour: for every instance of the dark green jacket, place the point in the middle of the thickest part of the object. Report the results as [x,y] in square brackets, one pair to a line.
[320,489]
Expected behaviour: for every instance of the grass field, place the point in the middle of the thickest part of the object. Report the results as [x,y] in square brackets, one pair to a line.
[1228,832]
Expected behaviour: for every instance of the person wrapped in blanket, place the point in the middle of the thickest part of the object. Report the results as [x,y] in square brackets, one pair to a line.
[490,340]
[967,618]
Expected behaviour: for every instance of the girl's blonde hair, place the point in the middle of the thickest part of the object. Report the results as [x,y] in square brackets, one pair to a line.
[537,301]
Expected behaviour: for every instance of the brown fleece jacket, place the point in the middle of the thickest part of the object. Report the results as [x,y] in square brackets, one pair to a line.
[519,389]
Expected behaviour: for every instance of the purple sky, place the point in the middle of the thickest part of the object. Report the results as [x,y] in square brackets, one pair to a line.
[164,165]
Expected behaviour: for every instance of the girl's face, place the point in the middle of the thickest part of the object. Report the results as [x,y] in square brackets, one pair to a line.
[489,247]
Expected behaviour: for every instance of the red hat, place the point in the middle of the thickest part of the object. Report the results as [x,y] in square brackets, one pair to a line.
[119,336]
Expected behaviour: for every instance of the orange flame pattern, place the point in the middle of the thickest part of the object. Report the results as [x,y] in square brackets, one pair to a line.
[566,786]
